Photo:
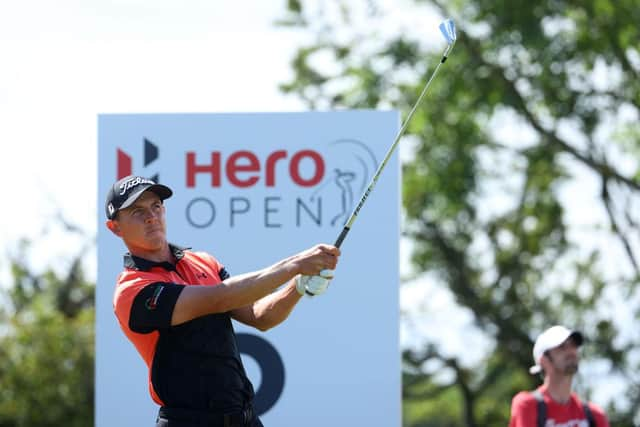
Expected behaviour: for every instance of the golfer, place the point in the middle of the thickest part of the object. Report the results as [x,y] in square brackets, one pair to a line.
[175,305]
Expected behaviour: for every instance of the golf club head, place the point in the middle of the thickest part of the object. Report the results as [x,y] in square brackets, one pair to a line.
[448,30]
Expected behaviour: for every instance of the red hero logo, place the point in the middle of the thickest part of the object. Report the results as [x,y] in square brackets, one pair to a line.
[244,168]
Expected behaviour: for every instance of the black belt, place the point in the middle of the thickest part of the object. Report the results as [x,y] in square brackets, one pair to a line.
[211,419]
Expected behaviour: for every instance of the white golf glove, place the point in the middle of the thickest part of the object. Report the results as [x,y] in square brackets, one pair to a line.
[314,285]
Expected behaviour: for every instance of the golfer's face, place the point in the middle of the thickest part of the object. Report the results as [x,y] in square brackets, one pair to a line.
[143,223]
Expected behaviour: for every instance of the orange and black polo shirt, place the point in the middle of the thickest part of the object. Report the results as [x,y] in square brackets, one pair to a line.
[195,364]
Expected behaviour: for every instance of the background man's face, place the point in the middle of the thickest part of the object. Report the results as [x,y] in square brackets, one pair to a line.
[563,359]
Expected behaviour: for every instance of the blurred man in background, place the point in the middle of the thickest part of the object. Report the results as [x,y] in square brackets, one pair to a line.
[556,358]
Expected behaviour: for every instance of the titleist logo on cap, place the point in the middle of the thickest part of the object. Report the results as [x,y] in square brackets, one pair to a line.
[127,185]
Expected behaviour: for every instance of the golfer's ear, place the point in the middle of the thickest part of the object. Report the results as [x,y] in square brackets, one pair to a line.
[114,227]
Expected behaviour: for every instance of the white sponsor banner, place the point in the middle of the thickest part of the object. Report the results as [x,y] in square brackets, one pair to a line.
[252,189]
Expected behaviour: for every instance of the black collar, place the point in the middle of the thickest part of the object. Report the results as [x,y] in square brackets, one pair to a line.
[136,263]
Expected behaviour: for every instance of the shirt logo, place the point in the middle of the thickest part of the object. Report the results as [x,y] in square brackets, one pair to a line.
[152,303]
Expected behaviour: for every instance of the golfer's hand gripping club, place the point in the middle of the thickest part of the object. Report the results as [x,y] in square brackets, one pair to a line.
[314,285]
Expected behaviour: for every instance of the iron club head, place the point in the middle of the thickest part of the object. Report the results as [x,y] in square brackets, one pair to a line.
[448,30]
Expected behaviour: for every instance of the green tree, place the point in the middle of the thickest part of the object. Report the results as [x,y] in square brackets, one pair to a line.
[522,191]
[47,347]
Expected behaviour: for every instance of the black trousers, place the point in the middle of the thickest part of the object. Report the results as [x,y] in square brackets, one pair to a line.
[174,417]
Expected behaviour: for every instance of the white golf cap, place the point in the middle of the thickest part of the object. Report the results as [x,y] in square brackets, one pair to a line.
[549,339]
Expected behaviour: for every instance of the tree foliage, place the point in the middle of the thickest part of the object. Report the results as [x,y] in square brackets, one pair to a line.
[522,193]
[47,347]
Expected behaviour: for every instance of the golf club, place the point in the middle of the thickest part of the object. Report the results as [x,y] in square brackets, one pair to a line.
[448,30]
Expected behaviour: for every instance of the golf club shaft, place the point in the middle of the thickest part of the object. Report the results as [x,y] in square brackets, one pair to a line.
[374,180]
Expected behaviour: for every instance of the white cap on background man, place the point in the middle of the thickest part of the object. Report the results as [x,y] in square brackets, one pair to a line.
[549,339]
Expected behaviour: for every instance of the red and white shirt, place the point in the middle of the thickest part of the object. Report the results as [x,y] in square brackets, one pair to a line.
[524,411]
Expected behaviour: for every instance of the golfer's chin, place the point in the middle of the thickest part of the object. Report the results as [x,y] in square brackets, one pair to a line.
[155,241]
[156,236]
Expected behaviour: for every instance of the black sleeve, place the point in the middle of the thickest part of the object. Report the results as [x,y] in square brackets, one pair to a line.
[153,307]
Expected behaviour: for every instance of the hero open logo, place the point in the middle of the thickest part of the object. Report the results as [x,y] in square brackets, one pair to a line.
[315,195]
[319,197]
[297,188]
